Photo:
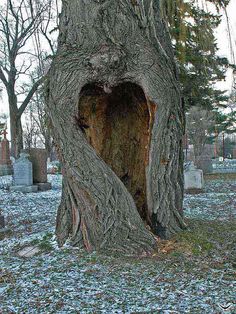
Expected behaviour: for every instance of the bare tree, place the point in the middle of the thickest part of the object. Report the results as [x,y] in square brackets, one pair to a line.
[19,20]
[31,134]
[200,123]
[36,130]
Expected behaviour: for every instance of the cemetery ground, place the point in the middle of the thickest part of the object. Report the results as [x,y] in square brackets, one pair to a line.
[192,273]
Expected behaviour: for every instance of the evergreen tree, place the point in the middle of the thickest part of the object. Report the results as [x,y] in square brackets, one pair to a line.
[192,31]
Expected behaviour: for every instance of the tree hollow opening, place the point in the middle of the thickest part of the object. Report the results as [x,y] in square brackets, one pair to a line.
[118,126]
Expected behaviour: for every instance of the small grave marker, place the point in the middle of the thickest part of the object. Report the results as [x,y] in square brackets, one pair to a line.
[193,179]
[29,251]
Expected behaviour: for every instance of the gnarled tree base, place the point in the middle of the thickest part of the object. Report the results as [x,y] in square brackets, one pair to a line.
[100,229]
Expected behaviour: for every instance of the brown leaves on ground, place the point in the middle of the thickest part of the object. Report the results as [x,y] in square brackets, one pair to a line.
[171,246]
[6,276]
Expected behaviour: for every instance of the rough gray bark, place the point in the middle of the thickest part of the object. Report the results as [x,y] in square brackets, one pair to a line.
[105,46]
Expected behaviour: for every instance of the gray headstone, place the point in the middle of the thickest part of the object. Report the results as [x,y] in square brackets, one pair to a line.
[38,157]
[193,178]
[23,171]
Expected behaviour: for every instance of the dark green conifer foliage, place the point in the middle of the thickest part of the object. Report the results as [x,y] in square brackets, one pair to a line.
[192,31]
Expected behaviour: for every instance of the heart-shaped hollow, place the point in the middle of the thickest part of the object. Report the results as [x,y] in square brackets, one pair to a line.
[118,126]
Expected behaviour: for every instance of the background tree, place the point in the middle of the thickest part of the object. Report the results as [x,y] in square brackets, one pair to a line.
[192,29]
[19,22]
[31,134]
[232,106]
[199,126]
[204,126]
[37,132]
[226,145]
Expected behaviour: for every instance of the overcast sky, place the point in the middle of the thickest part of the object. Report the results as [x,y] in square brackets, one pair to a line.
[223,44]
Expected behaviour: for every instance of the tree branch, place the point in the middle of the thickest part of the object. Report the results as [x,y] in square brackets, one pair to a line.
[30,95]
[3,77]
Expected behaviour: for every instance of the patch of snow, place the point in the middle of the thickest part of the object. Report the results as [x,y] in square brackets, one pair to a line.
[67,280]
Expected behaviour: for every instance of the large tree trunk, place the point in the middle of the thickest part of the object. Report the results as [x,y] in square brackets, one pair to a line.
[117,119]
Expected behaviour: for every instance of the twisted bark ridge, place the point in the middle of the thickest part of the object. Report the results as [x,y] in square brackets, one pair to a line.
[116,114]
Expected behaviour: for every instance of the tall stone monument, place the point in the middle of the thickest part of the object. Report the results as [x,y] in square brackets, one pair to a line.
[38,157]
[5,162]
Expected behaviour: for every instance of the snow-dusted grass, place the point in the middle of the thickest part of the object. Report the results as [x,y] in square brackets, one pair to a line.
[217,203]
[193,273]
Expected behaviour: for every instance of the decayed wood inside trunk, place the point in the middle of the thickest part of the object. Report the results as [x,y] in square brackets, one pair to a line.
[117,125]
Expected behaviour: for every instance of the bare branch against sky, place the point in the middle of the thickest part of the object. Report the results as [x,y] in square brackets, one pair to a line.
[25,44]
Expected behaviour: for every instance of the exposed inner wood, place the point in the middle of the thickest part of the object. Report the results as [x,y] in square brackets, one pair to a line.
[118,126]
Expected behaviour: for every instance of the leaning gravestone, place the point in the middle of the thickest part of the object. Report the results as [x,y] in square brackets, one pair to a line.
[193,179]
[23,175]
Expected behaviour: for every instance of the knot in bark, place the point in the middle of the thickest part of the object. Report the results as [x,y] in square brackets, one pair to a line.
[106,61]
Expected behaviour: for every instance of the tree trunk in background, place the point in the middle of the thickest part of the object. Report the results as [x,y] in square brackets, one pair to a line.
[117,119]
[16,136]
[16,127]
